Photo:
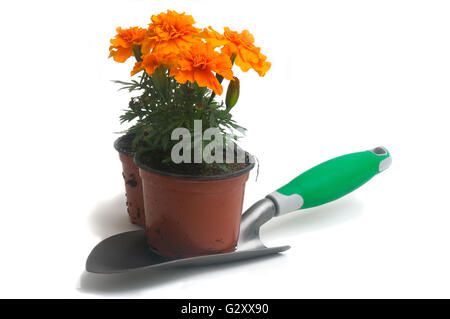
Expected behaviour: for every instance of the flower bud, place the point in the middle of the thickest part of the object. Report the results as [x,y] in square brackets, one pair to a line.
[232,93]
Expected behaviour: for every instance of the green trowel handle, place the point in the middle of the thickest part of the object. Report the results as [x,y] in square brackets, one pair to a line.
[330,180]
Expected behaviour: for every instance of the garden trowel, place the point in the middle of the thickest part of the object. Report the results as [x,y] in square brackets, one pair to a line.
[321,184]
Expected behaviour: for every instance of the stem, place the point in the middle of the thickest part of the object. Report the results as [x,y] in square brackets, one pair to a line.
[160,81]
[143,77]
[137,52]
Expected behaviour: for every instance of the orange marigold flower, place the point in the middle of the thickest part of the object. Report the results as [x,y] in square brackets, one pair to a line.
[198,64]
[151,61]
[170,32]
[122,45]
[248,56]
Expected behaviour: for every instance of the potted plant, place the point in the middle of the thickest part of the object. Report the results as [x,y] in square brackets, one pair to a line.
[193,175]
[120,50]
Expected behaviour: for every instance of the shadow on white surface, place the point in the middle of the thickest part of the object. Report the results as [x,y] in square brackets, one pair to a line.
[110,217]
[152,278]
[331,214]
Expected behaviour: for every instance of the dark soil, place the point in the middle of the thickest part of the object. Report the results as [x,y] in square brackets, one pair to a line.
[154,160]
[124,144]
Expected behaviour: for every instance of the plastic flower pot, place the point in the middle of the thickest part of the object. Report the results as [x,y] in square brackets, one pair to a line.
[133,183]
[192,215]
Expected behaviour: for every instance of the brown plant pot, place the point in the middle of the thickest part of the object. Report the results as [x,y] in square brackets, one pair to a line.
[133,183]
[192,216]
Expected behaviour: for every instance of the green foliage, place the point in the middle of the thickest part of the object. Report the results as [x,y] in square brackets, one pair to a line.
[164,105]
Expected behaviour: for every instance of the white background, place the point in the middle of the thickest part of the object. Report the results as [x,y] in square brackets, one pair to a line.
[346,76]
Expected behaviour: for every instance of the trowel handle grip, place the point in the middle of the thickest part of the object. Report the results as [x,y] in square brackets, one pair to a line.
[330,180]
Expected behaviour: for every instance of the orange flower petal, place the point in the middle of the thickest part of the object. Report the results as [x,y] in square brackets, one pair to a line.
[202,77]
[121,54]
[206,78]
[216,86]
[200,62]
[148,45]
[263,68]
[248,55]
[245,66]
[213,38]
[247,36]
[184,76]
[171,32]
[122,43]
[167,47]
[138,67]
[227,74]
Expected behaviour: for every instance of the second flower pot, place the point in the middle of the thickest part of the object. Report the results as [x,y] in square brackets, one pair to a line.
[192,216]
[133,183]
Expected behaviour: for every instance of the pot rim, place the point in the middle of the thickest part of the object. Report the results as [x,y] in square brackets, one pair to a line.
[120,149]
[246,169]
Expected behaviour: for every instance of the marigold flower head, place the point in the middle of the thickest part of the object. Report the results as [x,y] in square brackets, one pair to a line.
[151,61]
[122,44]
[199,63]
[248,56]
[170,32]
